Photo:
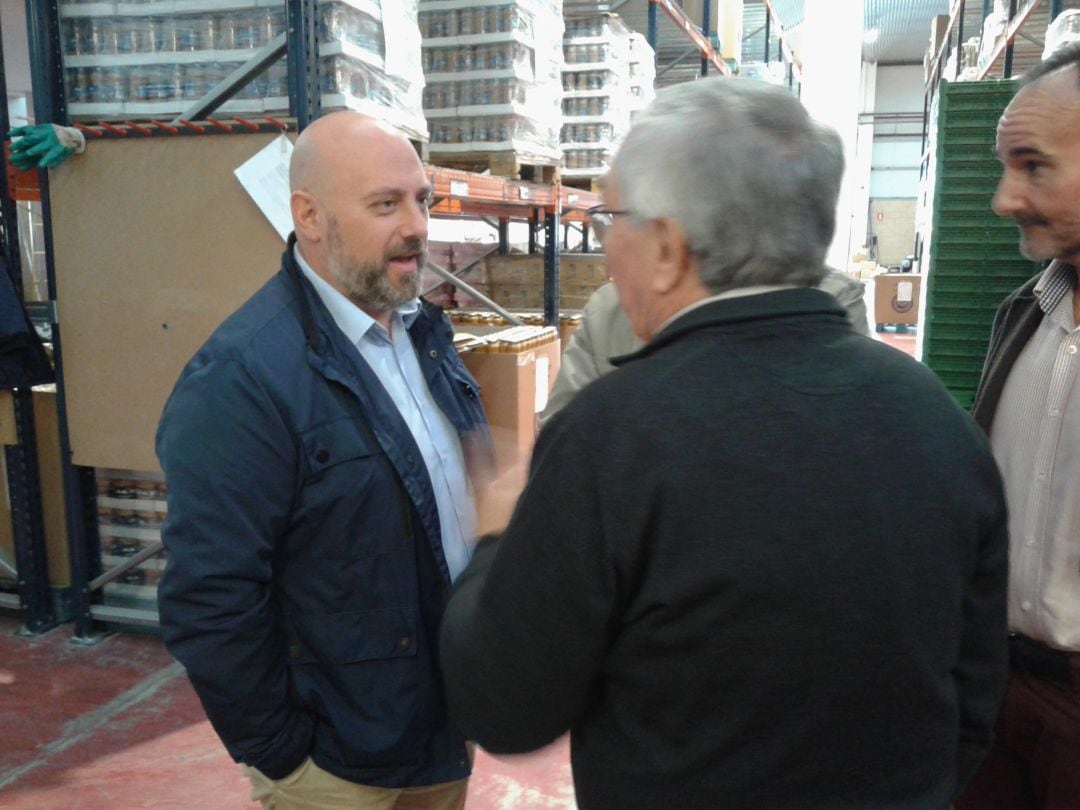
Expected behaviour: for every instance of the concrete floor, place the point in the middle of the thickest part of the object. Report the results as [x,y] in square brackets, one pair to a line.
[116,726]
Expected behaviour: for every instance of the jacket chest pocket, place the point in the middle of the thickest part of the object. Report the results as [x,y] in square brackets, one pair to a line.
[347,506]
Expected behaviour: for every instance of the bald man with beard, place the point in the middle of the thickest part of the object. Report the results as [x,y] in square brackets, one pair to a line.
[318,452]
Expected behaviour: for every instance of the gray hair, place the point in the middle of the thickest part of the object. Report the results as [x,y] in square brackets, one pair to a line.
[751,179]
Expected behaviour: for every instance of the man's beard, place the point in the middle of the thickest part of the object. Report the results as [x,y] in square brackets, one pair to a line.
[367,284]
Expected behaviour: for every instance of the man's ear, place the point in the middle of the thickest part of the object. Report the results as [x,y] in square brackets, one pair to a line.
[307,218]
[673,258]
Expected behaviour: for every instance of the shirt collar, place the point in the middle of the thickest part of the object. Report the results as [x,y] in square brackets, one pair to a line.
[738,292]
[1056,282]
[350,319]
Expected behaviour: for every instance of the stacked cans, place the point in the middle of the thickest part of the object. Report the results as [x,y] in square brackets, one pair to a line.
[598,92]
[143,60]
[492,72]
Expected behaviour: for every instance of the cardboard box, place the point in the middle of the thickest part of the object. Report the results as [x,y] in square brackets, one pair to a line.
[514,388]
[896,298]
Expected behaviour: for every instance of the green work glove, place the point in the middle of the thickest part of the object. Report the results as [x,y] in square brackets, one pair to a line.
[44,145]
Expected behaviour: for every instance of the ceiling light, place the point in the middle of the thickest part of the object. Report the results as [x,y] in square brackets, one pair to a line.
[871,36]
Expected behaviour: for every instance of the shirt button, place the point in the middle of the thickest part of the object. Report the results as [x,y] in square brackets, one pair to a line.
[1026,605]
[404,643]
[1041,476]
[433,354]
[1071,350]
[1030,541]
[1055,412]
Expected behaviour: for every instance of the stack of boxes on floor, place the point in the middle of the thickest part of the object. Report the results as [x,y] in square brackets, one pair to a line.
[597,93]
[131,508]
[147,60]
[492,72]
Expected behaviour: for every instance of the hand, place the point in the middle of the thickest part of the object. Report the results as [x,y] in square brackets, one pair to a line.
[497,494]
[45,146]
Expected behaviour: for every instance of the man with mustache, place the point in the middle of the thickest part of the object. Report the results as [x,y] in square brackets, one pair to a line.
[318,450]
[1029,403]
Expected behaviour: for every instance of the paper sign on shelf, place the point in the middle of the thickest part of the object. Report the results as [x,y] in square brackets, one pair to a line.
[265,176]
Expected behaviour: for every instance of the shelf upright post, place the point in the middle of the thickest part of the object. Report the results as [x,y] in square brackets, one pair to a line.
[960,34]
[551,265]
[533,225]
[706,13]
[986,9]
[504,236]
[305,101]
[768,27]
[50,107]
[650,30]
[23,475]
[1009,44]
[1055,9]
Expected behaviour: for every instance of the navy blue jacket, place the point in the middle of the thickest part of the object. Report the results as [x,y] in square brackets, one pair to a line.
[305,578]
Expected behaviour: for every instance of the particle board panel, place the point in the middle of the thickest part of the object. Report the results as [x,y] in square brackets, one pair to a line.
[156,243]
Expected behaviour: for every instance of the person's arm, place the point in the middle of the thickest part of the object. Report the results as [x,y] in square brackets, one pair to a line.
[849,293]
[229,465]
[577,368]
[981,671]
[525,633]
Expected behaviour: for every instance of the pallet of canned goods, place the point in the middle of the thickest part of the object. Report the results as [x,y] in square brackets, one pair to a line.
[493,90]
[153,59]
[597,93]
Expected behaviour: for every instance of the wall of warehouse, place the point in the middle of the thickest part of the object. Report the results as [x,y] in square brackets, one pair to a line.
[897,152]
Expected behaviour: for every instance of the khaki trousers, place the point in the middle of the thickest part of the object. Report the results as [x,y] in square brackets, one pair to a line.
[309,787]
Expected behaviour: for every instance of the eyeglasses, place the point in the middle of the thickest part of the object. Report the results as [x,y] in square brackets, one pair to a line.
[600,219]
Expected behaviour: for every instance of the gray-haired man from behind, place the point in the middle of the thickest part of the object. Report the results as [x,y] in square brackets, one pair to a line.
[713,577]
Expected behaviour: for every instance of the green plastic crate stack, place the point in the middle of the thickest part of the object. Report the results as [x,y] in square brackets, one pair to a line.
[974,254]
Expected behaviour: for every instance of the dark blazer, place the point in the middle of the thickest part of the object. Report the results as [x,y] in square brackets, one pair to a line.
[761,565]
[1015,322]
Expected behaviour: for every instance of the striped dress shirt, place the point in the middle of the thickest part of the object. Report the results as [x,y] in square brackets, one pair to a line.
[1036,441]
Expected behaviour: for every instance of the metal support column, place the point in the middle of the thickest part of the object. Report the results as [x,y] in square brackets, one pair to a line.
[1009,44]
[534,223]
[650,31]
[305,101]
[768,31]
[1055,9]
[23,475]
[504,236]
[551,268]
[706,13]
[986,9]
[43,29]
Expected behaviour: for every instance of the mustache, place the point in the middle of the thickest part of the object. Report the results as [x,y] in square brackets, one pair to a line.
[1025,221]
[407,247]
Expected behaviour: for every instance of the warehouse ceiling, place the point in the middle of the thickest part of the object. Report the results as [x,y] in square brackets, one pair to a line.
[897,31]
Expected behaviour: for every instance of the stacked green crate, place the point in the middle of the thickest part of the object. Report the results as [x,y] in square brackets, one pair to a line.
[974,254]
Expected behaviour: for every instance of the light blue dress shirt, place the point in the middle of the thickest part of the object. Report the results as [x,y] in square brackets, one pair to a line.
[393,359]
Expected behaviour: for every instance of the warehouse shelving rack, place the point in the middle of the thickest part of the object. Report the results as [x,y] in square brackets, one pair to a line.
[33,597]
[546,206]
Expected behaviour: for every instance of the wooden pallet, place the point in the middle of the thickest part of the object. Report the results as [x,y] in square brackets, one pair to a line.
[499,164]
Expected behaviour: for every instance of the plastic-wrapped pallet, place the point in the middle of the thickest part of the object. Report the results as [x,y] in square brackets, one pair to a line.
[642,73]
[154,59]
[492,70]
[597,92]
